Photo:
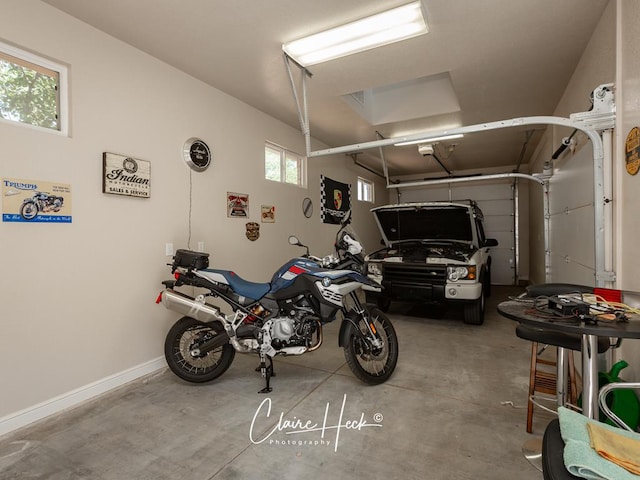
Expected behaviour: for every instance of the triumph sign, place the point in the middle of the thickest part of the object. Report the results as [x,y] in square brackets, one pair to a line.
[35,201]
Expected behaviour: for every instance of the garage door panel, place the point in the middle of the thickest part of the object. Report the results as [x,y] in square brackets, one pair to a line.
[502,266]
[500,223]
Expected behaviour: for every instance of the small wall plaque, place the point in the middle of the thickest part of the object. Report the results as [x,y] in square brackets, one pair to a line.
[123,175]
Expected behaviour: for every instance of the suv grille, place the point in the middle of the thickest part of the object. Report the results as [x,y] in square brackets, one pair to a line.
[415,274]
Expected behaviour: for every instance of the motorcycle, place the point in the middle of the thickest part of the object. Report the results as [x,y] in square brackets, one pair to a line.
[282,317]
[40,202]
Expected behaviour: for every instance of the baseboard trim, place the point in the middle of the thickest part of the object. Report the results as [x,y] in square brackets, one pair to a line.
[75,397]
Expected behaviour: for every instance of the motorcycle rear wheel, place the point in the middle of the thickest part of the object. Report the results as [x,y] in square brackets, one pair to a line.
[372,366]
[186,334]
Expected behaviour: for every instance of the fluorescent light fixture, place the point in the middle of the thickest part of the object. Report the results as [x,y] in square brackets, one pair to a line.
[370,32]
[429,139]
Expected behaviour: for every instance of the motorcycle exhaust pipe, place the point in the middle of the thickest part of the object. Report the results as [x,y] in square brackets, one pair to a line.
[189,306]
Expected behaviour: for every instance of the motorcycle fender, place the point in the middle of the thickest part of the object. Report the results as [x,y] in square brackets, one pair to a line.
[347,328]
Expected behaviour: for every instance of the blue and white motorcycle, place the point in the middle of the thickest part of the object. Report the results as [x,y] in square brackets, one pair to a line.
[282,317]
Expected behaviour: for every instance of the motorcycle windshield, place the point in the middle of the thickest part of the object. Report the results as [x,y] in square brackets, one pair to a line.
[346,237]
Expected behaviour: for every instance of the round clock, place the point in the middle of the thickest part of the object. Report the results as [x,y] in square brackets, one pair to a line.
[197,154]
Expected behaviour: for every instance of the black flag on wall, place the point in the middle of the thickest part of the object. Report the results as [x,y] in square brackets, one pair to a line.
[335,200]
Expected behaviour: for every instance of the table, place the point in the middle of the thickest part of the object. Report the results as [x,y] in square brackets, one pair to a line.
[517,310]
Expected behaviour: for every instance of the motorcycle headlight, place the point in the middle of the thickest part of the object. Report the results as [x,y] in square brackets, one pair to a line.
[461,272]
[374,269]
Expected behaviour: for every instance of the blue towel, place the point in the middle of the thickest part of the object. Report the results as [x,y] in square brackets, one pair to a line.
[580,459]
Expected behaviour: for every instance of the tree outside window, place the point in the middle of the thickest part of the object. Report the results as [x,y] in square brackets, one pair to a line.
[29,91]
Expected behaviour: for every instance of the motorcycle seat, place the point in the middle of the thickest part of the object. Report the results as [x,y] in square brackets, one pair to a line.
[239,285]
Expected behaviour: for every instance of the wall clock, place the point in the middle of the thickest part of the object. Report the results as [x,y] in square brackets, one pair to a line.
[197,154]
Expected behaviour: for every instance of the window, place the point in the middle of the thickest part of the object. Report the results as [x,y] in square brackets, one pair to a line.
[365,190]
[281,165]
[32,90]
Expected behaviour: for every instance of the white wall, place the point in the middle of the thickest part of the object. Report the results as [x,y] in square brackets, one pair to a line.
[572,258]
[78,300]
[627,187]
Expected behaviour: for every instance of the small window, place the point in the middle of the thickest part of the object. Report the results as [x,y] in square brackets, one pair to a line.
[282,165]
[365,190]
[32,90]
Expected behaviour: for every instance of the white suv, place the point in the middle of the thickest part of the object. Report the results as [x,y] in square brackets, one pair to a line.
[434,252]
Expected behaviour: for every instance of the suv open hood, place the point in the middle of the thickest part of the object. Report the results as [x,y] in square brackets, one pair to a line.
[424,221]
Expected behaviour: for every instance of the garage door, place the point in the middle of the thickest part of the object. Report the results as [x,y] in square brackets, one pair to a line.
[496,200]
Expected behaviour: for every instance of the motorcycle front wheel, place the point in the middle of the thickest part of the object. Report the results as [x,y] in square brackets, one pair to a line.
[29,210]
[186,335]
[373,365]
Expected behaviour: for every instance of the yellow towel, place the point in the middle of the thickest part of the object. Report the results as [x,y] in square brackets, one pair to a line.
[616,448]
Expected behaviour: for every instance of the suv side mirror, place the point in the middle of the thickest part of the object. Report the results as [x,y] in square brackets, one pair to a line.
[490,242]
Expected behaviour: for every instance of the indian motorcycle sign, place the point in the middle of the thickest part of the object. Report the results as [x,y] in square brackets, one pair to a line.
[124,175]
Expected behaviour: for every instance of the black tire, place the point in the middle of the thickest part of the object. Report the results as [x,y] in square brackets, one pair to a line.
[383,303]
[185,334]
[372,366]
[29,210]
[474,311]
[487,283]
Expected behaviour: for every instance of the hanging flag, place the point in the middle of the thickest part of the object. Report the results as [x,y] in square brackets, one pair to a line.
[335,200]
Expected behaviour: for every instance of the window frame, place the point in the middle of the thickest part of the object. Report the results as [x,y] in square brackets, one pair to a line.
[285,156]
[371,187]
[41,64]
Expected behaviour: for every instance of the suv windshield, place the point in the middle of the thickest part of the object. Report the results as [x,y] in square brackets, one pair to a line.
[451,223]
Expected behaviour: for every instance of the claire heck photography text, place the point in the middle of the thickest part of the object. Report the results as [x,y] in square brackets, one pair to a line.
[323,430]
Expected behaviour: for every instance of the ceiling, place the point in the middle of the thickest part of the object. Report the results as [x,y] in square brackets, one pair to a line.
[497,60]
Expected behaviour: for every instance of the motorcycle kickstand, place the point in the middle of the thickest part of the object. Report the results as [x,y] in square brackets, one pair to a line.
[267,372]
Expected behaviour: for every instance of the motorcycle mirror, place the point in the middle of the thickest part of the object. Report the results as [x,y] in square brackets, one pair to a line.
[293,240]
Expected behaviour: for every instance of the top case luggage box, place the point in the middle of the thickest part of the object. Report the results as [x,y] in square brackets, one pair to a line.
[190,259]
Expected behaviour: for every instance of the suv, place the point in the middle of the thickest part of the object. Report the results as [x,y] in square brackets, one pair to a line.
[435,251]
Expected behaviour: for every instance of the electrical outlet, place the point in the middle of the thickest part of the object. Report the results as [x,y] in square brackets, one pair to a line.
[168,249]
[201,246]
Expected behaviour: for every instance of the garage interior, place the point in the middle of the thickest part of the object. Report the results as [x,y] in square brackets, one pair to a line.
[86,392]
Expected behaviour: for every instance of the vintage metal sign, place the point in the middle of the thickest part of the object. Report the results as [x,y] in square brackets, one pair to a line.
[35,201]
[632,151]
[124,175]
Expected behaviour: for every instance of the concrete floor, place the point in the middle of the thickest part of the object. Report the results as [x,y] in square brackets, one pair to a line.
[455,408]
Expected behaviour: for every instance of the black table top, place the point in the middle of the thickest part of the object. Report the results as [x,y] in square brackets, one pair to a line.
[523,312]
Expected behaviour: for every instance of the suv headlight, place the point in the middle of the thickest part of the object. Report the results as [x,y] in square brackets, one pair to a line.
[374,268]
[461,272]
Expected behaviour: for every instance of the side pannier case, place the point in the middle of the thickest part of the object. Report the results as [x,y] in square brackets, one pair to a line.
[190,259]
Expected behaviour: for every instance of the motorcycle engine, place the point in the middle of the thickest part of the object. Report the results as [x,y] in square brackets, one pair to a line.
[292,332]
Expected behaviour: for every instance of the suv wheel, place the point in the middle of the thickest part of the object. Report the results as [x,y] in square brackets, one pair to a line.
[474,311]
[384,303]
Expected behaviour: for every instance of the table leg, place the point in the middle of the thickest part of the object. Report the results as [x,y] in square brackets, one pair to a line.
[590,376]
[562,376]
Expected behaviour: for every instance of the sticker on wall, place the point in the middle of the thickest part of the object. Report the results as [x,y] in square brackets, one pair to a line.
[237,205]
[122,175]
[35,201]
[253,231]
[268,214]
[632,151]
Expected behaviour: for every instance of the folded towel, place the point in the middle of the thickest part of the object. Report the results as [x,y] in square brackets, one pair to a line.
[580,459]
[616,448]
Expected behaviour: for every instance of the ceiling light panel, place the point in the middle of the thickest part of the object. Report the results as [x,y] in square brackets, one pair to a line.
[384,28]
